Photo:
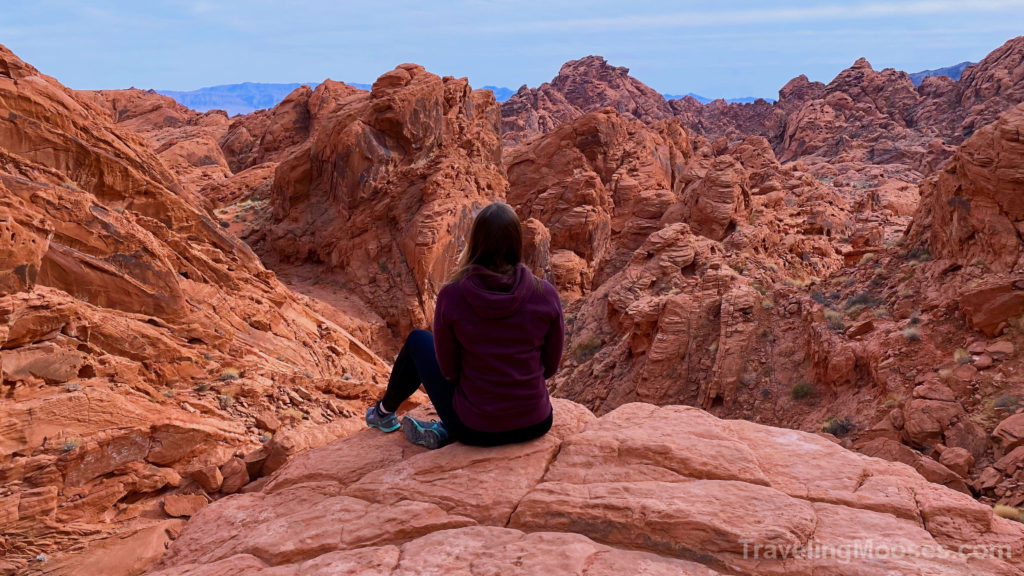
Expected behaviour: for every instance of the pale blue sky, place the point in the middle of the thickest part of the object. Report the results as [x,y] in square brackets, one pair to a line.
[717,49]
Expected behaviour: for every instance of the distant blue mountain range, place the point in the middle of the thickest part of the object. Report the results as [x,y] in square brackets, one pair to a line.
[239,98]
[705,99]
[250,96]
[953,72]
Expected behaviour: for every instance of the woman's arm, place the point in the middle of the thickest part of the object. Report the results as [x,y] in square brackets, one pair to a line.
[551,353]
[446,346]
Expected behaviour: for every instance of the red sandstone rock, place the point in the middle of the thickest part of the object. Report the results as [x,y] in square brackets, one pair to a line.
[122,308]
[209,478]
[633,479]
[581,86]
[183,504]
[235,476]
[418,155]
[1009,434]
[958,460]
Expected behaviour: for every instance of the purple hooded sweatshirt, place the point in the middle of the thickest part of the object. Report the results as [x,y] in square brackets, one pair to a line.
[498,338]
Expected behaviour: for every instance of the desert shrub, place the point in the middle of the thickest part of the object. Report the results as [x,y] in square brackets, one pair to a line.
[838,426]
[961,356]
[226,401]
[767,303]
[230,374]
[1008,512]
[891,402]
[802,389]
[818,297]
[835,320]
[748,378]
[912,334]
[919,255]
[586,349]
[169,393]
[202,387]
[70,444]
[1006,402]
[293,414]
[863,299]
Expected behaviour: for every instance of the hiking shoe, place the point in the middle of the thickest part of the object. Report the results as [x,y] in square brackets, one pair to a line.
[385,422]
[431,434]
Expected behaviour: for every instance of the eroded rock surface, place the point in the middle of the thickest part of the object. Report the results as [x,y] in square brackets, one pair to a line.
[137,338]
[668,490]
[380,198]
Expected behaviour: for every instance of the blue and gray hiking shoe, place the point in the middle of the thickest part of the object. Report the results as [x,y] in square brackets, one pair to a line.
[386,422]
[431,434]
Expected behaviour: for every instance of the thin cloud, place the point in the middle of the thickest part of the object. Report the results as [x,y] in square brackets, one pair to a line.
[821,13]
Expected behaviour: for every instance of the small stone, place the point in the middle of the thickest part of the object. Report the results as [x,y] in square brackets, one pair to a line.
[209,478]
[966,372]
[988,479]
[958,460]
[982,362]
[977,347]
[1003,347]
[235,476]
[179,505]
[267,421]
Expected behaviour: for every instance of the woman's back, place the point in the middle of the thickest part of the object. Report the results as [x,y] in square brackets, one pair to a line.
[499,337]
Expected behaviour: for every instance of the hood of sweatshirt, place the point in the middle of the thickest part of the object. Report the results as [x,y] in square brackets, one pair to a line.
[497,295]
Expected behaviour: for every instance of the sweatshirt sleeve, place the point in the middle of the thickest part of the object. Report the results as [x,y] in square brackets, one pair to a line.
[553,340]
[446,346]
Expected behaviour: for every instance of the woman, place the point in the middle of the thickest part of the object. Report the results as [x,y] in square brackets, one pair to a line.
[498,335]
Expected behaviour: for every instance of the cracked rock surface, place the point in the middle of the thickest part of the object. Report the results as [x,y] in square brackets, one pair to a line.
[643,489]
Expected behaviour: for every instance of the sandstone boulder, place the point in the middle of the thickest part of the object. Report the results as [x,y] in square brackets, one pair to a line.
[672,490]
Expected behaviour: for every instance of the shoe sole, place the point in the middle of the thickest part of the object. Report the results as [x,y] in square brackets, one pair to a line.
[417,435]
[383,429]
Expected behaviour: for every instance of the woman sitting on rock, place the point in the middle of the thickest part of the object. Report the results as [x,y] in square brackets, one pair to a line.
[498,334]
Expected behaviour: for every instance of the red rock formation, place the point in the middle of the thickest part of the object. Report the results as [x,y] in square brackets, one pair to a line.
[644,234]
[597,186]
[378,199]
[272,135]
[630,490]
[972,211]
[185,141]
[581,86]
[136,337]
[992,86]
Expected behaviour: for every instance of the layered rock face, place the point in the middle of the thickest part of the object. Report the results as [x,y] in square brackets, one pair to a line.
[186,141]
[934,324]
[581,86]
[668,490]
[379,200]
[973,209]
[665,250]
[139,343]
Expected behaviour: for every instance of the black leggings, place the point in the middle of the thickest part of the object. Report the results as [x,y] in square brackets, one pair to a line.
[417,363]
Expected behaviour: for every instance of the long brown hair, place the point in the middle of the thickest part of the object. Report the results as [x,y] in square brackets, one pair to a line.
[495,242]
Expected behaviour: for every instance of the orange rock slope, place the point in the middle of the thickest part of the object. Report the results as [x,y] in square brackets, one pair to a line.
[141,346]
[378,200]
[643,489]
